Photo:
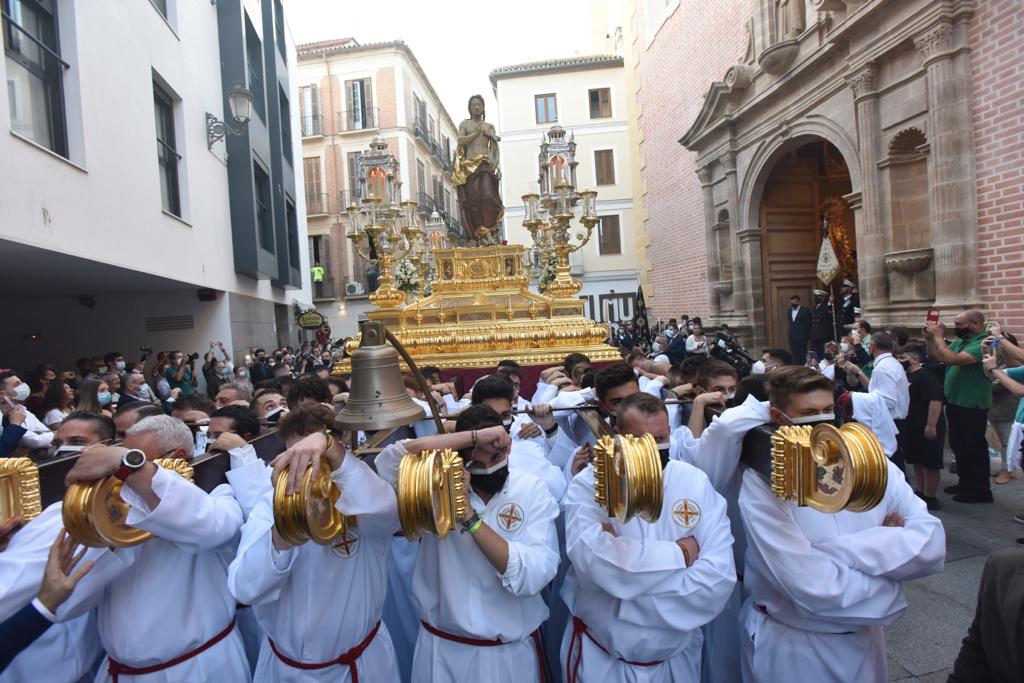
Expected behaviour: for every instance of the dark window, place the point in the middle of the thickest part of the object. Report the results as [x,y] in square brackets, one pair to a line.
[293,234]
[166,150]
[264,218]
[600,103]
[35,72]
[279,29]
[546,108]
[609,240]
[604,167]
[286,125]
[254,65]
[162,6]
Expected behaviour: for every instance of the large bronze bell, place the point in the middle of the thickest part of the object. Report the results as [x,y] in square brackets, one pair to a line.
[628,477]
[829,469]
[378,399]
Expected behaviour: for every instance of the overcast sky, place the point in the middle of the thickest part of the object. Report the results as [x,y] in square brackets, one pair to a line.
[458,42]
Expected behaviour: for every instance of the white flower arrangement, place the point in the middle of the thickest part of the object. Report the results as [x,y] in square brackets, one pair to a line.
[407,278]
[548,273]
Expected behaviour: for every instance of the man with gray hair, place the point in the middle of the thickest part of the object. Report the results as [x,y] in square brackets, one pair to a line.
[968,398]
[888,377]
[233,393]
[194,536]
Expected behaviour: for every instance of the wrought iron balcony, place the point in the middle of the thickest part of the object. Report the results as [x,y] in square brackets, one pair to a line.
[367,118]
[312,125]
[317,204]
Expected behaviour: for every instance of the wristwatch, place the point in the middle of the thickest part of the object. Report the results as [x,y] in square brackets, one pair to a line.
[131,462]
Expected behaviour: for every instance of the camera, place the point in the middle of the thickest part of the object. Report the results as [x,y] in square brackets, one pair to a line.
[146,349]
[193,357]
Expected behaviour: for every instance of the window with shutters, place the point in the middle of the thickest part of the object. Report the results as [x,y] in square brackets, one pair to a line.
[359,113]
[286,124]
[264,217]
[309,111]
[293,233]
[352,162]
[254,67]
[609,241]
[421,177]
[600,103]
[167,153]
[604,167]
[316,198]
[546,108]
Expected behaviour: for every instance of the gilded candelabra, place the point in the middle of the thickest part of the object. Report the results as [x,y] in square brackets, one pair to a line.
[552,236]
[382,235]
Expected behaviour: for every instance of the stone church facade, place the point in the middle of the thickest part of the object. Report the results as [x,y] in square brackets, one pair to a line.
[893,126]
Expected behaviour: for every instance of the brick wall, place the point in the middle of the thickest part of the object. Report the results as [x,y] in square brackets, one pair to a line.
[694,47]
[997,74]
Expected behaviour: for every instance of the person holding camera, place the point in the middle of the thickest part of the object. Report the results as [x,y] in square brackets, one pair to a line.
[181,372]
[216,372]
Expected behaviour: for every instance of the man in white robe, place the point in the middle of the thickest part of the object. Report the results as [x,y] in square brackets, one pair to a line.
[174,584]
[823,587]
[478,592]
[321,604]
[640,592]
[612,384]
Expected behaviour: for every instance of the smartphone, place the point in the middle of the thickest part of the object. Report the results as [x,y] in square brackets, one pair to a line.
[812,355]
[994,344]
[933,315]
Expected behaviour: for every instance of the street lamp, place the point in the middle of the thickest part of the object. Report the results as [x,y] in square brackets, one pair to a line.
[240,105]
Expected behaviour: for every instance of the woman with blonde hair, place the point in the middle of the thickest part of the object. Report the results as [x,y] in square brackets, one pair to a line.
[95,397]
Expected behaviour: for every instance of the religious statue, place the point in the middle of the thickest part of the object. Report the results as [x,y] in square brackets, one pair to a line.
[475,176]
[791,21]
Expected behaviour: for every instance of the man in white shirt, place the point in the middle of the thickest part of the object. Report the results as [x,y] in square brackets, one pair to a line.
[478,592]
[333,634]
[175,583]
[824,586]
[888,377]
[640,592]
[37,435]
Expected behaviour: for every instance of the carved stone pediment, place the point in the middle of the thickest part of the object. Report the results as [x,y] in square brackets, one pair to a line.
[777,58]
[721,96]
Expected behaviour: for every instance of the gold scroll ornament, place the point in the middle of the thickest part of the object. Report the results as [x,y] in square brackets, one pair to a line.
[628,477]
[829,469]
[19,489]
[431,493]
[94,512]
[311,513]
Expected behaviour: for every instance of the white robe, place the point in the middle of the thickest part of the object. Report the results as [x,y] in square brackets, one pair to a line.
[173,586]
[530,456]
[457,590]
[569,421]
[75,643]
[824,586]
[634,591]
[319,601]
[871,410]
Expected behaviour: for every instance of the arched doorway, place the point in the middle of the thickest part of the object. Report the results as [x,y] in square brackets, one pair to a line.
[806,185]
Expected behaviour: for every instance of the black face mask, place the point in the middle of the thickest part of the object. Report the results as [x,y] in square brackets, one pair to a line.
[664,453]
[829,355]
[906,365]
[794,306]
[962,332]
[490,484]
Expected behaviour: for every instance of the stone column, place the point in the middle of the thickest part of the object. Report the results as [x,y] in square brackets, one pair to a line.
[752,285]
[953,186]
[872,229]
[739,268]
[707,190]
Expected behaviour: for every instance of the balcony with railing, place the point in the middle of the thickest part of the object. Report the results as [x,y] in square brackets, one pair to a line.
[356,120]
[317,204]
[312,125]
[326,290]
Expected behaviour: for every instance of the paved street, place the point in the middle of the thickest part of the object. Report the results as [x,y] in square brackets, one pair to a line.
[924,643]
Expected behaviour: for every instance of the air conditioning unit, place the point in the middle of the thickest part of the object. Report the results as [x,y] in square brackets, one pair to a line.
[354,288]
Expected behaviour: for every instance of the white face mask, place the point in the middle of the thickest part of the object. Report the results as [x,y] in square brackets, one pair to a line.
[21,392]
[812,419]
[656,346]
[757,368]
[477,469]
[729,396]
[61,451]
[845,346]
[120,365]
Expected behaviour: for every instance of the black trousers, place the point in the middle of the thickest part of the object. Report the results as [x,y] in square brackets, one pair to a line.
[798,348]
[966,429]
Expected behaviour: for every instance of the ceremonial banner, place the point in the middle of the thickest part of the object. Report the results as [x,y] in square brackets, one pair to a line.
[828,263]
[641,326]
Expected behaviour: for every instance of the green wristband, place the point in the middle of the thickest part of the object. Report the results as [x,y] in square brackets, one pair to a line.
[475,525]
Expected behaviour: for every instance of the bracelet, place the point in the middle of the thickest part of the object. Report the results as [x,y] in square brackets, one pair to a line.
[551,432]
[471,524]
[686,554]
[476,525]
[473,434]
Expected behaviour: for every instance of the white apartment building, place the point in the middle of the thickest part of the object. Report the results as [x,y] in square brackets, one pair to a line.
[124,221]
[586,96]
[348,94]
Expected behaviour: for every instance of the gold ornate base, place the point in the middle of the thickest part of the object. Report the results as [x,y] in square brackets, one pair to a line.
[482,311]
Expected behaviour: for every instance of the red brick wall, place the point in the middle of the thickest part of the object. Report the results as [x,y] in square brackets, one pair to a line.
[997,74]
[694,47]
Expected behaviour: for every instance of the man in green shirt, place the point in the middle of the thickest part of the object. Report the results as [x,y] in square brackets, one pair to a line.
[318,280]
[968,398]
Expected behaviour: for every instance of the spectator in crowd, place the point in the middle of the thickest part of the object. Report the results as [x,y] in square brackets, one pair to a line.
[696,343]
[849,304]
[887,376]
[1012,380]
[36,435]
[775,358]
[95,397]
[922,435]
[39,381]
[180,374]
[114,362]
[1005,404]
[58,403]
[128,414]
[799,317]
[231,393]
[135,390]
[242,375]
[13,427]
[216,371]
[822,324]
[308,391]
[659,348]
[113,381]
[968,398]
[160,382]
[827,364]
[260,368]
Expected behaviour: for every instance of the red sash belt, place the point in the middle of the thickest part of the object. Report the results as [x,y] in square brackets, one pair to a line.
[116,668]
[345,659]
[477,642]
[579,629]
